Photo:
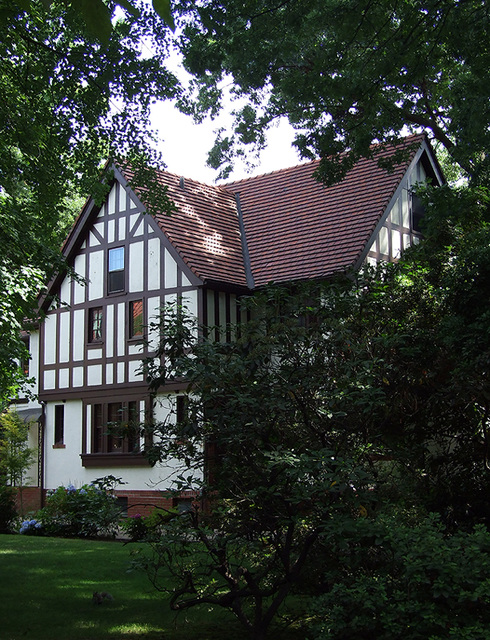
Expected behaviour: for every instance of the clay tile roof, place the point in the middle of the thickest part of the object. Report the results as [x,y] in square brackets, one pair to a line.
[295,227]
[298,229]
[204,229]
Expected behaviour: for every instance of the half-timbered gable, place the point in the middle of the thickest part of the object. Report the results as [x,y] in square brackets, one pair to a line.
[126,270]
[95,335]
[220,243]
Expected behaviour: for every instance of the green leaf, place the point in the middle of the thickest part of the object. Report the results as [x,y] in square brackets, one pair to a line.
[162,7]
[24,4]
[97,18]
[130,8]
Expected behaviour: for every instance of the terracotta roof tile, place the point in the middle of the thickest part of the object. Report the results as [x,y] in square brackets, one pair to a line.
[295,227]
[204,229]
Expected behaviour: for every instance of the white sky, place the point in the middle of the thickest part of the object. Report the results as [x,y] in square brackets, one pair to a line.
[185,145]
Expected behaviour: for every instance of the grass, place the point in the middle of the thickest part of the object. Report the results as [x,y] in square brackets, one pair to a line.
[46,587]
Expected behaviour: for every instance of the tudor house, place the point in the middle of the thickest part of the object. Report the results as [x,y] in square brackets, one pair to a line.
[220,243]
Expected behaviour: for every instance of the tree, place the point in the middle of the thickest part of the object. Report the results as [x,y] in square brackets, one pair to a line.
[15,455]
[345,73]
[340,403]
[269,477]
[68,103]
[97,15]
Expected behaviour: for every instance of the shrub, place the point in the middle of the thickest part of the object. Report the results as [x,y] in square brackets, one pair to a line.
[410,582]
[8,511]
[88,511]
[147,528]
[135,527]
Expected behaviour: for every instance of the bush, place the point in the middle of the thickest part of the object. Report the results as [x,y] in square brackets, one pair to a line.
[147,528]
[135,527]
[410,582]
[88,511]
[8,511]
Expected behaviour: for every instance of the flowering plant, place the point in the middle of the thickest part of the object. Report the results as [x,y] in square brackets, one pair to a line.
[135,527]
[31,528]
[88,511]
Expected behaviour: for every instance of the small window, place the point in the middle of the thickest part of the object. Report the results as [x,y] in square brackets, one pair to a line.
[121,503]
[116,270]
[24,365]
[24,362]
[136,319]
[95,324]
[418,211]
[59,425]
[181,409]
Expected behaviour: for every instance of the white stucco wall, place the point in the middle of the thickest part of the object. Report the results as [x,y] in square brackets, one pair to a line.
[63,466]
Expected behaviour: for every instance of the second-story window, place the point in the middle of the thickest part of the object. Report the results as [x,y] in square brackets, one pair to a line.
[418,211]
[95,324]
[136,319]
[115,280]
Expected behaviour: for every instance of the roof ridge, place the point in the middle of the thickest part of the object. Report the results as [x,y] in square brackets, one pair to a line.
[270,173]
[380,146]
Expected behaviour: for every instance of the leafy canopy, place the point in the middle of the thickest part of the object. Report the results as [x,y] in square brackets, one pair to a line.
[346,73]
[70,99]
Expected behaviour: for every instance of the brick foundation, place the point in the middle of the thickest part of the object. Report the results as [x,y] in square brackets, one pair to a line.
[144,502]
[31,500]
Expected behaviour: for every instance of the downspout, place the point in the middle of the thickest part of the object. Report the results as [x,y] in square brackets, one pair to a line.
[40,435]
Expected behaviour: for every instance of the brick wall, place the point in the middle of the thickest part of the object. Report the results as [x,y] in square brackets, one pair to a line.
[31,500]
[144,502]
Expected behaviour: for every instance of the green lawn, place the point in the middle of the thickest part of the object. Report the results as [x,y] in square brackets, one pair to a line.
[46,587]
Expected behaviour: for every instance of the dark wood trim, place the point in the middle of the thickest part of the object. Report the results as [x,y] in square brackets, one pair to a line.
[129,389]
[217,319]
[114,460]
[228,316]
[83,447]
[204,320]
[227,287]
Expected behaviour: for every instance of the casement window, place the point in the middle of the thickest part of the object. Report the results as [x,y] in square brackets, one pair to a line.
[116,271]
[95,317]
[136,319]
[115,427]
[59,425]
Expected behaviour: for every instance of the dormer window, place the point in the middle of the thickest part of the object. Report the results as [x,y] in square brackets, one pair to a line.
[115,281]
